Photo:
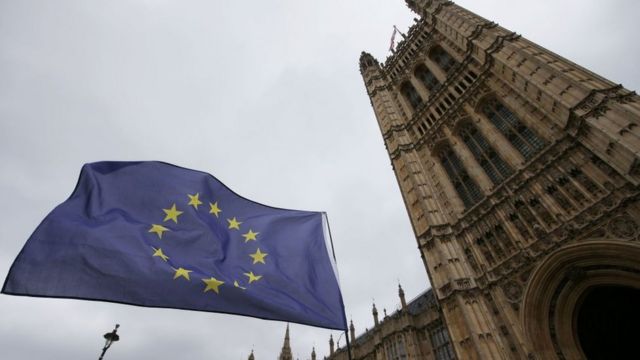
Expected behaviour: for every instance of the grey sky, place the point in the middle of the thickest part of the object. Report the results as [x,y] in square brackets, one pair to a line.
[265,95]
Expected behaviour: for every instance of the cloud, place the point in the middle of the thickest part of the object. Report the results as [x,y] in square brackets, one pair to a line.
[266,96]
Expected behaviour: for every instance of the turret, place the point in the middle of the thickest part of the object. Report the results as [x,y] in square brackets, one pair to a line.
[331,348]
[352,330]
[403,302]
[367,61]
[374,311]
[417,6]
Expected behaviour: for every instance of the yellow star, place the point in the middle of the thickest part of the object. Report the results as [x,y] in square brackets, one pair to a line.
[158,252]
[215,210]
[193,200]
[235,283]
[250,236]
[180,272]
[253,277]
[258,257]
[212,284]
[172,214]
[234,224]
[158,229]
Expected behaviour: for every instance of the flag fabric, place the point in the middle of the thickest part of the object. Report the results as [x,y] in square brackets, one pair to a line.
[393,39]
[158,235]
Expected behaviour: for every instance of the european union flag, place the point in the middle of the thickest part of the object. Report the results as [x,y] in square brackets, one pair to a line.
[157,235]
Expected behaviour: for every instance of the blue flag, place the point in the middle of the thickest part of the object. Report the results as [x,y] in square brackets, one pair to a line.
[157,235]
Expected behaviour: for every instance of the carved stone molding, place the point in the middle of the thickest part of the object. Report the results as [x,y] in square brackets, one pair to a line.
[557,284]
[513,291]
[623,227]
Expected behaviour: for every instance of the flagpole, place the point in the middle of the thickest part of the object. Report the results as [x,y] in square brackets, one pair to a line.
[333,252]
[346,335]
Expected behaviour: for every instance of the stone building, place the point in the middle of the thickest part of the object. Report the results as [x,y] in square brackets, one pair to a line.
[285,352]
[519,170]
[415,331]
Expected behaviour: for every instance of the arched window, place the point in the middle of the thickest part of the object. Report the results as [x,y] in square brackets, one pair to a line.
[441,344]
[392,352]
[442,58]
[411,94]
[522,138]
[396,349]
[402,351]
[466,188]
[492,164]
[427,78]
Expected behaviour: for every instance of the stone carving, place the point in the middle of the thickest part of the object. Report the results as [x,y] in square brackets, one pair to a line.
[623,227]
[565,195]
[512,291]
[576,274]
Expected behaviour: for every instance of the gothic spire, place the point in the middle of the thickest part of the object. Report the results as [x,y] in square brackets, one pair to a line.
[352,329]
[331,345]
[374,311]
[402,299]
[285,353]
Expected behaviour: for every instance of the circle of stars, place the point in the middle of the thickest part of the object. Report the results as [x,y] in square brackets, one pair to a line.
[172,214]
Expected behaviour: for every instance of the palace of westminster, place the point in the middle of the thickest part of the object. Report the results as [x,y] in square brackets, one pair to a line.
[519,170]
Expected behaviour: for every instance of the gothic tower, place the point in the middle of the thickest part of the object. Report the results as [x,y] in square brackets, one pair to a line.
[519,170]
[285,352]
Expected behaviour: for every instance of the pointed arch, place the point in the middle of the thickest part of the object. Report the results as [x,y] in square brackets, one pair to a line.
[441,57]
[491,162]
[467,189]
[411,94]
[552,296]
[426,77]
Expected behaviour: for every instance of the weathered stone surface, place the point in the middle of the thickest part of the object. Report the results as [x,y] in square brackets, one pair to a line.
[519,170]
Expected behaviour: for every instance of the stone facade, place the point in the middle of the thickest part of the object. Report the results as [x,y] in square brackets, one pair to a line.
[519,170]
[415,331]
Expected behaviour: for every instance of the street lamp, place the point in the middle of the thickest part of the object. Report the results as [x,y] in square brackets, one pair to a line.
[109,339]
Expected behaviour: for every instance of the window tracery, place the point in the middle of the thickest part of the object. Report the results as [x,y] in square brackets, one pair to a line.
[442,58]
[465,186]
[492,164]
[395,348]
[522,138]
[441,344]
[411,94]
[427,78]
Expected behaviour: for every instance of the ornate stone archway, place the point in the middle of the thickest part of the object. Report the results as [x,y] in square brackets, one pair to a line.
[558,286]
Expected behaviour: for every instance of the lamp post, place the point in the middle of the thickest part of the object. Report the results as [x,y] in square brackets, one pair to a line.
[109,339]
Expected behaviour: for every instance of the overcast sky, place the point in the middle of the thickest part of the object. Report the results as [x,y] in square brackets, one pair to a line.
[265,95]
